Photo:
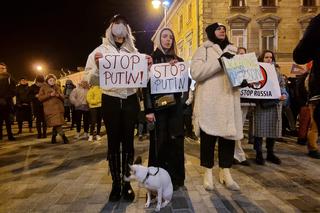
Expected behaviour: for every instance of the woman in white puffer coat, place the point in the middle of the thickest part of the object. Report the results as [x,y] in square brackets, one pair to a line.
[217,110]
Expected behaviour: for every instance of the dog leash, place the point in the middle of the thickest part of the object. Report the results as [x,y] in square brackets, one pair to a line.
[148,174]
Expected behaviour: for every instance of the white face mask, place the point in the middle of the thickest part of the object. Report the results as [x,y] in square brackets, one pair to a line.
[119,30]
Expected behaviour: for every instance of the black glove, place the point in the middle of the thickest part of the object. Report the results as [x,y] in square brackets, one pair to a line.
[227,55]
[244,83]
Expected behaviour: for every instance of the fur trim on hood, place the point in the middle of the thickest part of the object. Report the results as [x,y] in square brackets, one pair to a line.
[128,43]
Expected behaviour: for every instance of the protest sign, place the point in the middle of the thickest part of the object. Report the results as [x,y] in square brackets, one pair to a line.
[166,78]
[242,67]
[268,88]
[123,71]
[298,69]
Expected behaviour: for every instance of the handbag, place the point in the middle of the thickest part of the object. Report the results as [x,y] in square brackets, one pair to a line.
[164,101]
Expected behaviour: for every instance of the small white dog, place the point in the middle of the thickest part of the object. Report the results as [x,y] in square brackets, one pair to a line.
[154,179]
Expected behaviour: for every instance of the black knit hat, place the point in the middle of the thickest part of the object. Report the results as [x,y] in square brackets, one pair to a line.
[212,36]
[118,18]
[40,78]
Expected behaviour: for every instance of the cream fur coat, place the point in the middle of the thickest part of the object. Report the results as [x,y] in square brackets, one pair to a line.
[217,109]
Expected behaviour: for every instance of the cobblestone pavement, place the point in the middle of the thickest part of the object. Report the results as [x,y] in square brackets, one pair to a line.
[37,176]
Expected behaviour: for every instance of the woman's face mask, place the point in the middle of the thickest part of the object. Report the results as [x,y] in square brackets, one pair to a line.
[119,31]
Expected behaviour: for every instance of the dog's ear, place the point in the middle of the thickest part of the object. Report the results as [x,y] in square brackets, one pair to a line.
[138,160]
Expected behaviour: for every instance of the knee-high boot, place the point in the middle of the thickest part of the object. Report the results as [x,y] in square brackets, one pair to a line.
[127,191]
[270,154]
[114,165]
[54,135]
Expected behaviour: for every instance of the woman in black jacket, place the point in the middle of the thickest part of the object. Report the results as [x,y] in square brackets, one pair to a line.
[166,122]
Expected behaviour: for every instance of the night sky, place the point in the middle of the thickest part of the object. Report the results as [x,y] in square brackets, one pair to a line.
[62,33]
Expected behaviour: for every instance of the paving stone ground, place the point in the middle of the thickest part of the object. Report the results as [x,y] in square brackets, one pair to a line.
[37,176]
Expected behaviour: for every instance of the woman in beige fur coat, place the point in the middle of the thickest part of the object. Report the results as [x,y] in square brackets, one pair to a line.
[217,110]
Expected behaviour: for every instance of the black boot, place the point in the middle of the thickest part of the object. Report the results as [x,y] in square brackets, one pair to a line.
[270,155]
[259,158]
[54,135]
[65,139]
[44,134]
[39,131]
[114,165]
[127,191]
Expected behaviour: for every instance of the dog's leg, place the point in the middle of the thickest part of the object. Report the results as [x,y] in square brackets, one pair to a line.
[159,200]
[165,203]
[148,199]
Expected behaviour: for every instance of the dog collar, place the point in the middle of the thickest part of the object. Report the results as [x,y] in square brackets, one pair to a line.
[148,174]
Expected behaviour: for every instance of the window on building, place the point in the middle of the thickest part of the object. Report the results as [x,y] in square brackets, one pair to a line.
[268,39]
[239,37]
[181,23]
[237,3]
[268,3]
[309,3]
[190,11]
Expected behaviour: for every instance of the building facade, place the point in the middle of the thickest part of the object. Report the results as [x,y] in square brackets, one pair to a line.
[254,24]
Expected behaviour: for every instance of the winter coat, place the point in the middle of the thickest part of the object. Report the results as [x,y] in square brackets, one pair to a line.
[308,49]
[217,109]
[53,106]
[7,91]
[37,106]
[175,113]
[78,98]
[67,90]
[94,97]
[22,95]
[108,46]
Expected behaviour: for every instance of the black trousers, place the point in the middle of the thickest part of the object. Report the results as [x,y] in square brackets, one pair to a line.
[24,113]
[40,122]
[67,111]
[225,150]
[95,118]
[188,124]
[86,119]
[269,144]
[119,116]
[5,117]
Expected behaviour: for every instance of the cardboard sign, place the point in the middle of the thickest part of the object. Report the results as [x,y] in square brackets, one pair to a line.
[242,67]
[268,88]
[169,79]
[123,71]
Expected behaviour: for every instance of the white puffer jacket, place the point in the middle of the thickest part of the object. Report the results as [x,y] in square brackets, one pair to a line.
[217,109]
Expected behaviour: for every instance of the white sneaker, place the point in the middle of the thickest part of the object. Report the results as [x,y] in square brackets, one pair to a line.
[98,138]
[208,180]
[77,136]
[225,178]
[90,138]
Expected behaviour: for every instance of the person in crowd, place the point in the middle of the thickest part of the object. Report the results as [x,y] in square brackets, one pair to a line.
[187,100]
[52,99]
[267,118]
[7,92]
[78,98]
[307,50]
[166,148]
[141,120]
[120,108]
[94,98]
[68,107]
[23,105]
[246,107]
[37,107]
[217,110]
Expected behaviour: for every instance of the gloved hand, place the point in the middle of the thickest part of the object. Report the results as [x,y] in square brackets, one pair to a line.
[244,83]
[227,55]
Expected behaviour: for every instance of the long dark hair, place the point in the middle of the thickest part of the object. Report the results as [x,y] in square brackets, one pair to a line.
[261,57]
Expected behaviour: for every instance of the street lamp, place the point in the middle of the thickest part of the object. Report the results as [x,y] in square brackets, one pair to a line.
[165,4]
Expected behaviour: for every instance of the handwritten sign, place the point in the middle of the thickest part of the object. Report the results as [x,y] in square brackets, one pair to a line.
[242,67]
[123,71]
[268,88]
[169,79]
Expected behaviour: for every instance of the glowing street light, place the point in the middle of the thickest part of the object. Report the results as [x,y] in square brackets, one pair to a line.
[39,68]
[165,4]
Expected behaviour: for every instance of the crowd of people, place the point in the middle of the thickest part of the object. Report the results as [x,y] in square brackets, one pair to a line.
[217,109]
